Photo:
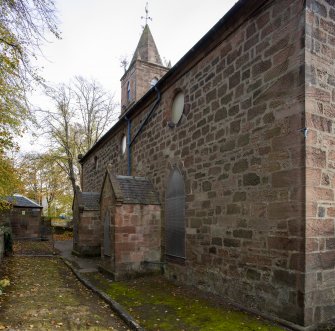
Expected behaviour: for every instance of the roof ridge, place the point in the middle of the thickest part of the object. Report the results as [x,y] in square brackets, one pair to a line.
[32,201]
[17,200]
[131,177]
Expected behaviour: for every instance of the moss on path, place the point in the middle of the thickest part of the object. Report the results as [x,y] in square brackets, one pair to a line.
[45,295]
[161,305]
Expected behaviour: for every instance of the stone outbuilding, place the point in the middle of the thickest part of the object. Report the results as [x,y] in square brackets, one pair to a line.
[131,216]
[24,216]
[86,224]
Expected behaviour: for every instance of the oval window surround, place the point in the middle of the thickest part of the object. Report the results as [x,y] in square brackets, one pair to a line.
[177,108]
[123,144]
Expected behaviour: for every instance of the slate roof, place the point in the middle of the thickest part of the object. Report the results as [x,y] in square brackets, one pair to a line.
[90,200]
[21,201]
[146,49]
[134,190]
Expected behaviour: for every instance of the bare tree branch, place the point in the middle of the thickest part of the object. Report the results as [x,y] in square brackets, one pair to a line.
[83,113]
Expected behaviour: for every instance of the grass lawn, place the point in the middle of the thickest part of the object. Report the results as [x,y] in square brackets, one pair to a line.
[158,304]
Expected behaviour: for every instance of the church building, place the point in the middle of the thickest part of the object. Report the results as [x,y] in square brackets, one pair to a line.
[221,169]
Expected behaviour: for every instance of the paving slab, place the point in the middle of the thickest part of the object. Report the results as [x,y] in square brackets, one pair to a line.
[82,264]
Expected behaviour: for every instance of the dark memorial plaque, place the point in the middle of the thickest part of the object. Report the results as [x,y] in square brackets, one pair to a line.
[175,221]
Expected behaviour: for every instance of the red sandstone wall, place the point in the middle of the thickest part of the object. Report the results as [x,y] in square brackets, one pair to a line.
[131,78]
[135,234]
[89,230]
[140,77]
[107,205]
[320,154]
[243,160]
[108,153]
[137,237]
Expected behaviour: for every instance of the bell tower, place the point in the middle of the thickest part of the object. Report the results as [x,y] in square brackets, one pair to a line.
[145,67]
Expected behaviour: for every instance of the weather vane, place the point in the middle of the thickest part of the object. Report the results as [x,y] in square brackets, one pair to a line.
[147,17]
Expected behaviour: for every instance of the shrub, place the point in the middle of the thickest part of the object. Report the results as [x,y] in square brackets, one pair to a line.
[7,238]
[3,283]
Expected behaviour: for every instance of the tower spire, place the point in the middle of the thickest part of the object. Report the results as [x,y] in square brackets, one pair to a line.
[146,17]
[146,66]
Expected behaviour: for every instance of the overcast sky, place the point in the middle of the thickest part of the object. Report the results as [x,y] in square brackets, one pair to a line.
[96,34]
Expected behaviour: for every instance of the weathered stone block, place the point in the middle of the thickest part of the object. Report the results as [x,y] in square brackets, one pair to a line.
[239,196]
[217,241]
[242,233]
[253,274]
[233,209]
[228,242]
[284,277]
[283,243]
[240,166]
[251,179]
[288,178]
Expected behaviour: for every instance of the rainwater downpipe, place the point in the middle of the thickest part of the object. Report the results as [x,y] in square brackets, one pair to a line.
[128,144]
[131,141]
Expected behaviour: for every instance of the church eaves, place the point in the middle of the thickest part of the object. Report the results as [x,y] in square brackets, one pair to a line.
[146,49]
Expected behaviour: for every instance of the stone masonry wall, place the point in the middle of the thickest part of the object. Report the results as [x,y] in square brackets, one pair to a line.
[134,235]
[108,153]
[139,76]
[320,152]
[145,73]
[5,218]
[87,229]
[90,230]
[242,156]
[137,238]
[25,223]
[131,78]
[243,159]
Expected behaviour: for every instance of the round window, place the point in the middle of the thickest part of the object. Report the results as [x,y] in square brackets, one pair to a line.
[177,107]
[123,144]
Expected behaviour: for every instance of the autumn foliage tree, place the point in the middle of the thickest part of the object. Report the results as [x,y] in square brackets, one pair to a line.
[23,24]
[9,179]
[44,182]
